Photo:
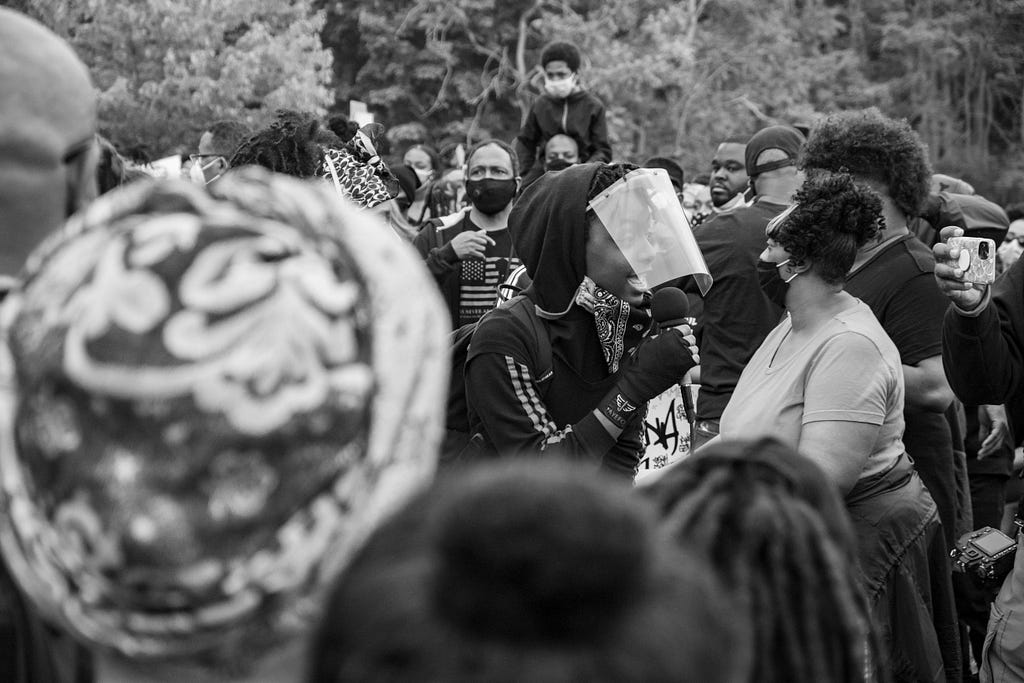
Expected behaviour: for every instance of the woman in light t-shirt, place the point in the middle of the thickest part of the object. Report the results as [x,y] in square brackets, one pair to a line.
[828,381]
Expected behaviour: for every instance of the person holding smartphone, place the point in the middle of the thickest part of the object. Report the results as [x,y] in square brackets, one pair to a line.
[983,357]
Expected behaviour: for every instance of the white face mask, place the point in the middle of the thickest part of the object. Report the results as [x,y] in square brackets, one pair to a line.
[1009,252]
[561,88]
[424,174]
[197,173]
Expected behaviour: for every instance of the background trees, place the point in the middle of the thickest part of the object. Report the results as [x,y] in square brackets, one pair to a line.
[676,75]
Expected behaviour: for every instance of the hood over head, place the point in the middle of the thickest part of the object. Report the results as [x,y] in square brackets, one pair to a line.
[549,226]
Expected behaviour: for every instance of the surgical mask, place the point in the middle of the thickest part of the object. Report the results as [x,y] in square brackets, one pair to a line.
[424,174]
[772,284]
[491,195]
[1009,252]
[561,88]
[197,173]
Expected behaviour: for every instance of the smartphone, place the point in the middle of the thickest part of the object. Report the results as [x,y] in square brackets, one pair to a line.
[977,258]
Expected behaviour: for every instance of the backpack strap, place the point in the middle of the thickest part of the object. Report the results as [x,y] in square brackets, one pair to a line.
[522,308]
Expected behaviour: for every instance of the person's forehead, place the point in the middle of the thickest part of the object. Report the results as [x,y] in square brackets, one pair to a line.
[206,145]
[416,155]
[730,151]
[46,94]
[557,66]
[1016,227]
[490,156]
[562,143]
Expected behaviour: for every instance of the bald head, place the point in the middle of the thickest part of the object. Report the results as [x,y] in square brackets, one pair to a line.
[47,123]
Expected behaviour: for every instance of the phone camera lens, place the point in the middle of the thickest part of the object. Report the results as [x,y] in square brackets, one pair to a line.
[983,250]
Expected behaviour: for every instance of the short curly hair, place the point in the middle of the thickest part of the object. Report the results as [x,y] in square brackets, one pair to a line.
[872,146]
[832,218]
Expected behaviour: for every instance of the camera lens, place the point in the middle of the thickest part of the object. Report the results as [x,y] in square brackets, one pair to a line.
[983,250]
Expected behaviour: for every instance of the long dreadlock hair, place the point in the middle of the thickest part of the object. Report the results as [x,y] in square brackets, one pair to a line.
[777,534]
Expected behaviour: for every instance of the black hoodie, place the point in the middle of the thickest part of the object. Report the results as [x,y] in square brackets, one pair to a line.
[515,410]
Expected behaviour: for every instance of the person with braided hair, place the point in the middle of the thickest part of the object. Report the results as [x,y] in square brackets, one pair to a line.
[776,533]
[828,382]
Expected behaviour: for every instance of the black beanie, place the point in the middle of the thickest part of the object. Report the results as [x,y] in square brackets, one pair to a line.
[560,51]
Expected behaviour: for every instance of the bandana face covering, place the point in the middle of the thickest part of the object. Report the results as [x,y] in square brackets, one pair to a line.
[202,410]
[612,319]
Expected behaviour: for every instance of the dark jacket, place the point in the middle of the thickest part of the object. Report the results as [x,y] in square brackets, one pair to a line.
[580,115]
[513,404]
[983,356]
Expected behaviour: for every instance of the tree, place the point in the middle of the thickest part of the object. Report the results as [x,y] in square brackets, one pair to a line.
[165,69]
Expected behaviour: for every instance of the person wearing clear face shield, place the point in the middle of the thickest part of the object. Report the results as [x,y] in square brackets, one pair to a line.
[594,239]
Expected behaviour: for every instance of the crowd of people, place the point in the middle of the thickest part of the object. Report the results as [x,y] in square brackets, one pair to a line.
[316,411]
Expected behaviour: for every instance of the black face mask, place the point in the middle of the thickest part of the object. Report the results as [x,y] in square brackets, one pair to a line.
[558,164]
[772,284]
[490,195]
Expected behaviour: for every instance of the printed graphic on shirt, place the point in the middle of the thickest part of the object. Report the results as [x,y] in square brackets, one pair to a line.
[478,291]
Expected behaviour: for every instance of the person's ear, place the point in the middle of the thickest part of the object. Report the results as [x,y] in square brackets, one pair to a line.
[222,165]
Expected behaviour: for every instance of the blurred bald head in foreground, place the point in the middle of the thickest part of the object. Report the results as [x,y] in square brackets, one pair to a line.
[47,126]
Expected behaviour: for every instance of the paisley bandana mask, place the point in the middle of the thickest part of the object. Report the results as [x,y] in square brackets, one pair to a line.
[207,401]
[613,319]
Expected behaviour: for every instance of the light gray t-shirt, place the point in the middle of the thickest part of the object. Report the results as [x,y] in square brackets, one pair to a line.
[849,371]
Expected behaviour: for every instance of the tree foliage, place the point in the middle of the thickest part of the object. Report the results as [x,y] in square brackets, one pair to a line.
[166,69]
[677,76]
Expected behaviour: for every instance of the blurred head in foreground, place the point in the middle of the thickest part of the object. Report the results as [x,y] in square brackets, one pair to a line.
[208,400]
[778,535]
[526,571]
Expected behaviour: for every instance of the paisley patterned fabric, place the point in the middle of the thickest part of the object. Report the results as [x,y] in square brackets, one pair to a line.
[611,319]
[358,173]
[206,401]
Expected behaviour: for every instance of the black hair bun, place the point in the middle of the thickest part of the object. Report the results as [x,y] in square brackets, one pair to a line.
[541,554]
[850,207]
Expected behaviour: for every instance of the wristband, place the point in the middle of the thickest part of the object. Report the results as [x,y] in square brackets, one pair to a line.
[619,409]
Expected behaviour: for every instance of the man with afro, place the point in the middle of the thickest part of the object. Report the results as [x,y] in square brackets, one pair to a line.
[893,275]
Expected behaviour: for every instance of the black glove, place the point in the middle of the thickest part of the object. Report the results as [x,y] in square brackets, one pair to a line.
[657,364]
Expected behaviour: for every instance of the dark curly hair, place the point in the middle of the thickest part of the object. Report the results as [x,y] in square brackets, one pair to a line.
[291,144]
[833,216]
[872,146]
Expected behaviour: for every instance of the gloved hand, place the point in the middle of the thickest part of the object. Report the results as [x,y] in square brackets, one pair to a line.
[657,364]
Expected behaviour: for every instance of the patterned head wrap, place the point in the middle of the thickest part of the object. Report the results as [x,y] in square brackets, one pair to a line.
[206,400]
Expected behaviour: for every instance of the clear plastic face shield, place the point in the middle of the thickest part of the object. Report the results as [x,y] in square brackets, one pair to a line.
[642,214]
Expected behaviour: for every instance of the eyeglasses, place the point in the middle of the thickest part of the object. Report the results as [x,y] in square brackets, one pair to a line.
[1019,239]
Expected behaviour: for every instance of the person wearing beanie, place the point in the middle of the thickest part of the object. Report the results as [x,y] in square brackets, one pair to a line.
[564,107]
[529,571]
[674,170]
[737,314]
[210,396]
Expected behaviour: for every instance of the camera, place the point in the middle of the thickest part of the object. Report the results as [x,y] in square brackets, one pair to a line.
[977,258]
[986,553]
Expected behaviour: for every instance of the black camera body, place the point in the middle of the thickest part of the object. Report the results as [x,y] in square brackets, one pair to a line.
[985,553]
